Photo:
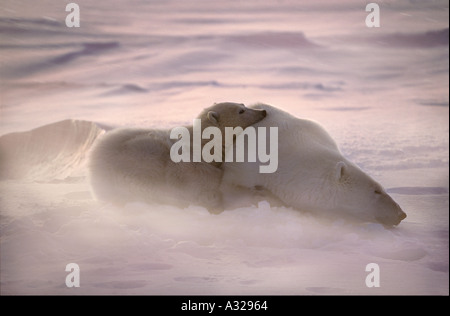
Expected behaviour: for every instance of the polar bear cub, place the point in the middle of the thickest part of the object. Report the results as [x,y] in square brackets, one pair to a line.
[129,165]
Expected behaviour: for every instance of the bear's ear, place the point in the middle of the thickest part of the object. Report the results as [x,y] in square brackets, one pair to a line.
[340,170]
[213,117]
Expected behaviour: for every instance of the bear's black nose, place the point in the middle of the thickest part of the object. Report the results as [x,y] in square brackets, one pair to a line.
[264,113]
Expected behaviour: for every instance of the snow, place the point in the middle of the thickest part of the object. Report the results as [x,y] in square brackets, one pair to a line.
[381,93]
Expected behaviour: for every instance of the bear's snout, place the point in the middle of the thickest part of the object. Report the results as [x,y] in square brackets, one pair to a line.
[393,218]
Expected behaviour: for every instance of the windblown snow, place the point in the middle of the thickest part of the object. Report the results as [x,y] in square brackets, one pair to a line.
[381,93]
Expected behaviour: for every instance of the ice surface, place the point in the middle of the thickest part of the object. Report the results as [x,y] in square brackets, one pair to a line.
[381,93]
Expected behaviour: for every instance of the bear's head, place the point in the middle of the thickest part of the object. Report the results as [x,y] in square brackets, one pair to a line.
[228,114]
[355,193]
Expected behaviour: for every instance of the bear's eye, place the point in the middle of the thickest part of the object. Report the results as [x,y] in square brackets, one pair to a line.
[241,111]
[378,192]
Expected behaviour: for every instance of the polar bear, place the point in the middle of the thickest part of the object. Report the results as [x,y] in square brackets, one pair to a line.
[312,175]
[129,165]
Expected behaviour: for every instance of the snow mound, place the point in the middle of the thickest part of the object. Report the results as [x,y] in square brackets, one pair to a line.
[51,152]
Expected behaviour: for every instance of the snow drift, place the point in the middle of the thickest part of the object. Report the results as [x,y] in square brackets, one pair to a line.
[54,151]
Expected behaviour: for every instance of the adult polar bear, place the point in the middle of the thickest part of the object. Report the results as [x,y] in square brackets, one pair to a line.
[312,175]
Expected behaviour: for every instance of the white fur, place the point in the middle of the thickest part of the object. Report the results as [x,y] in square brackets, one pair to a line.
[129,165]
[134,165]
[312,175]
